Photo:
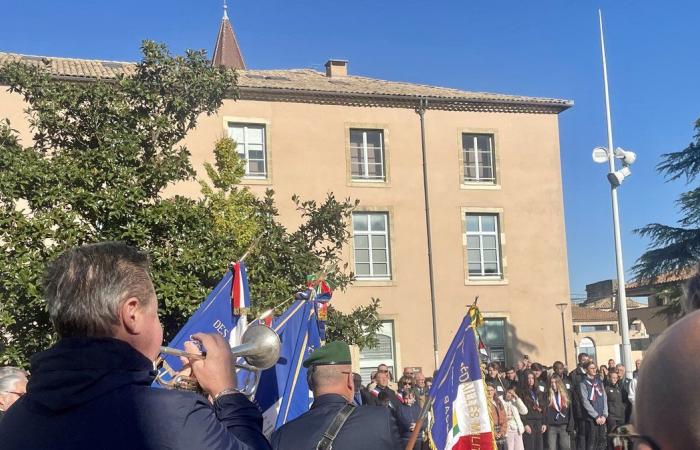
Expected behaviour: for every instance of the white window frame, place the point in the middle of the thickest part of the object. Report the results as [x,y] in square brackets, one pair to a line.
[370,364]
[365,160]
[369,233]
[481,234]
[242,147]
[477,166]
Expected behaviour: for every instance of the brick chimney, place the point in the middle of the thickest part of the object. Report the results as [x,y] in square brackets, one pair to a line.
[336,68]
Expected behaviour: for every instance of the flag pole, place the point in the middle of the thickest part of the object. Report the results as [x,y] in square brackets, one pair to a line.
[251,247]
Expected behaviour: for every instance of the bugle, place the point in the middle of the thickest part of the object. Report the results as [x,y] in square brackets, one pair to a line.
[259,348]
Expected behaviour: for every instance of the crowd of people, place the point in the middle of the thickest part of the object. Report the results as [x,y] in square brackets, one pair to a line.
[535,407]
[92,389]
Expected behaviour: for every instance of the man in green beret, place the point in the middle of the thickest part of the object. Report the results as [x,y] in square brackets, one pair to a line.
[333,420]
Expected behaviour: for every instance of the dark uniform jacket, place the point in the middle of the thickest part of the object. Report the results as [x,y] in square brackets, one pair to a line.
[95,393]
[390,395]
[536,402]
[576,376]
[367,428]
[616,402]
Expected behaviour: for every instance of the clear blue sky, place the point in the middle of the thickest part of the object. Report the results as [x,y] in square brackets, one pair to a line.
[543,48]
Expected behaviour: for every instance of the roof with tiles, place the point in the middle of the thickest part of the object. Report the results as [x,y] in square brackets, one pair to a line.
[580,314]
[293,82]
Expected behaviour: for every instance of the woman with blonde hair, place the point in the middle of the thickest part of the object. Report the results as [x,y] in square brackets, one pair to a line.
[559,418]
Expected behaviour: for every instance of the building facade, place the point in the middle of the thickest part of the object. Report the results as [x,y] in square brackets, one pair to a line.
[494,183]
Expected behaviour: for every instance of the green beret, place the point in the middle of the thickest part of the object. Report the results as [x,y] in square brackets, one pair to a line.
[333,353]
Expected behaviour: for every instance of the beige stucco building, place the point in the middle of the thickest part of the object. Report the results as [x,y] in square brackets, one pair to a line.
[495,196]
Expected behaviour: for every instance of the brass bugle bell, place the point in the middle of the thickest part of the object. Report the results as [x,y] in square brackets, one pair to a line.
[259,348]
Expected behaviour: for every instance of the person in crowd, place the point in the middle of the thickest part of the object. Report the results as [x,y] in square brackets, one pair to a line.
[533,421]
[514,408]
[595,405]
[498,415]
[358,396]
[405,383]
[421,388]
[611,365]
[625,387]
[330,379]
[637,366]
[92,389]
[382,379]
[13,385]
[493,377]
[603,372]
[540,376]
[428,383]
[511,380]
[520,367]
[559,419]
[372,380]
[580,423]
[408,372]
[617,400]
[408,415]
[559,369]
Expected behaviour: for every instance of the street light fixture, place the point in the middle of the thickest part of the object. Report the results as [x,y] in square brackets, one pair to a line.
[616,177]
[562,307]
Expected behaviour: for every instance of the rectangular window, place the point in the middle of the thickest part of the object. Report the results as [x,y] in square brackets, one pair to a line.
[371,242]
[367,155]
[593,328]
[383,353]
[493,335]
[483,246]
[250,145]
[478,155]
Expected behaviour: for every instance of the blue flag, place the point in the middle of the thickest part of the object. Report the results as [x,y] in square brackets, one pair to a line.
[283,393]
[460,411]
[213,316]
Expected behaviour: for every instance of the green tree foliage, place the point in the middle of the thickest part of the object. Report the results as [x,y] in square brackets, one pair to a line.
[102,154]
[675,249]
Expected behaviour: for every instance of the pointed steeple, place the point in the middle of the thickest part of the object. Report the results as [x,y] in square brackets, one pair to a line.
[227,53]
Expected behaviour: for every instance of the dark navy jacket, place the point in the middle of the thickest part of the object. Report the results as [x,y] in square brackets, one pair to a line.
[367,428]
[95,393]
[408,415]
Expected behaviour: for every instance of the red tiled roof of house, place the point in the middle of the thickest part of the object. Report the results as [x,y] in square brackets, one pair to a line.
[580,314]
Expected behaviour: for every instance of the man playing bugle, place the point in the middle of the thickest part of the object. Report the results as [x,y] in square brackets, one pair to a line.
[92,390]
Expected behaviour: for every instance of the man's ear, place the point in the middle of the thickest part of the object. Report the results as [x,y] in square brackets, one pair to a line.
[129,313]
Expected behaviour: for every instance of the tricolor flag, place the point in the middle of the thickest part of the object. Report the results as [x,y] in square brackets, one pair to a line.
[460,412]
[240,293]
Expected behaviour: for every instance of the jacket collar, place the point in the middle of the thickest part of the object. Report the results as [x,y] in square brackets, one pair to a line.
[329,399]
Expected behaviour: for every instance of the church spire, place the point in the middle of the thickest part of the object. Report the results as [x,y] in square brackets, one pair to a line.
[226,52]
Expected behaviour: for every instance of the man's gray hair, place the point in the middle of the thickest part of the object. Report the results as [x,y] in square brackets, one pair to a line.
[85,286]
[9,376]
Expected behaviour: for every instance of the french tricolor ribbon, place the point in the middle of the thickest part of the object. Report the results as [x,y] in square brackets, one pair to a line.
[557,406]
[240,297]
[595,389]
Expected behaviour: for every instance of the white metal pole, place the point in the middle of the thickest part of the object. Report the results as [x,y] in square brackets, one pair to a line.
[622,295]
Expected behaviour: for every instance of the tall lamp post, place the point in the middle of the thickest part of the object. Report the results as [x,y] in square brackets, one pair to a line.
[616,177]
[562,307]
